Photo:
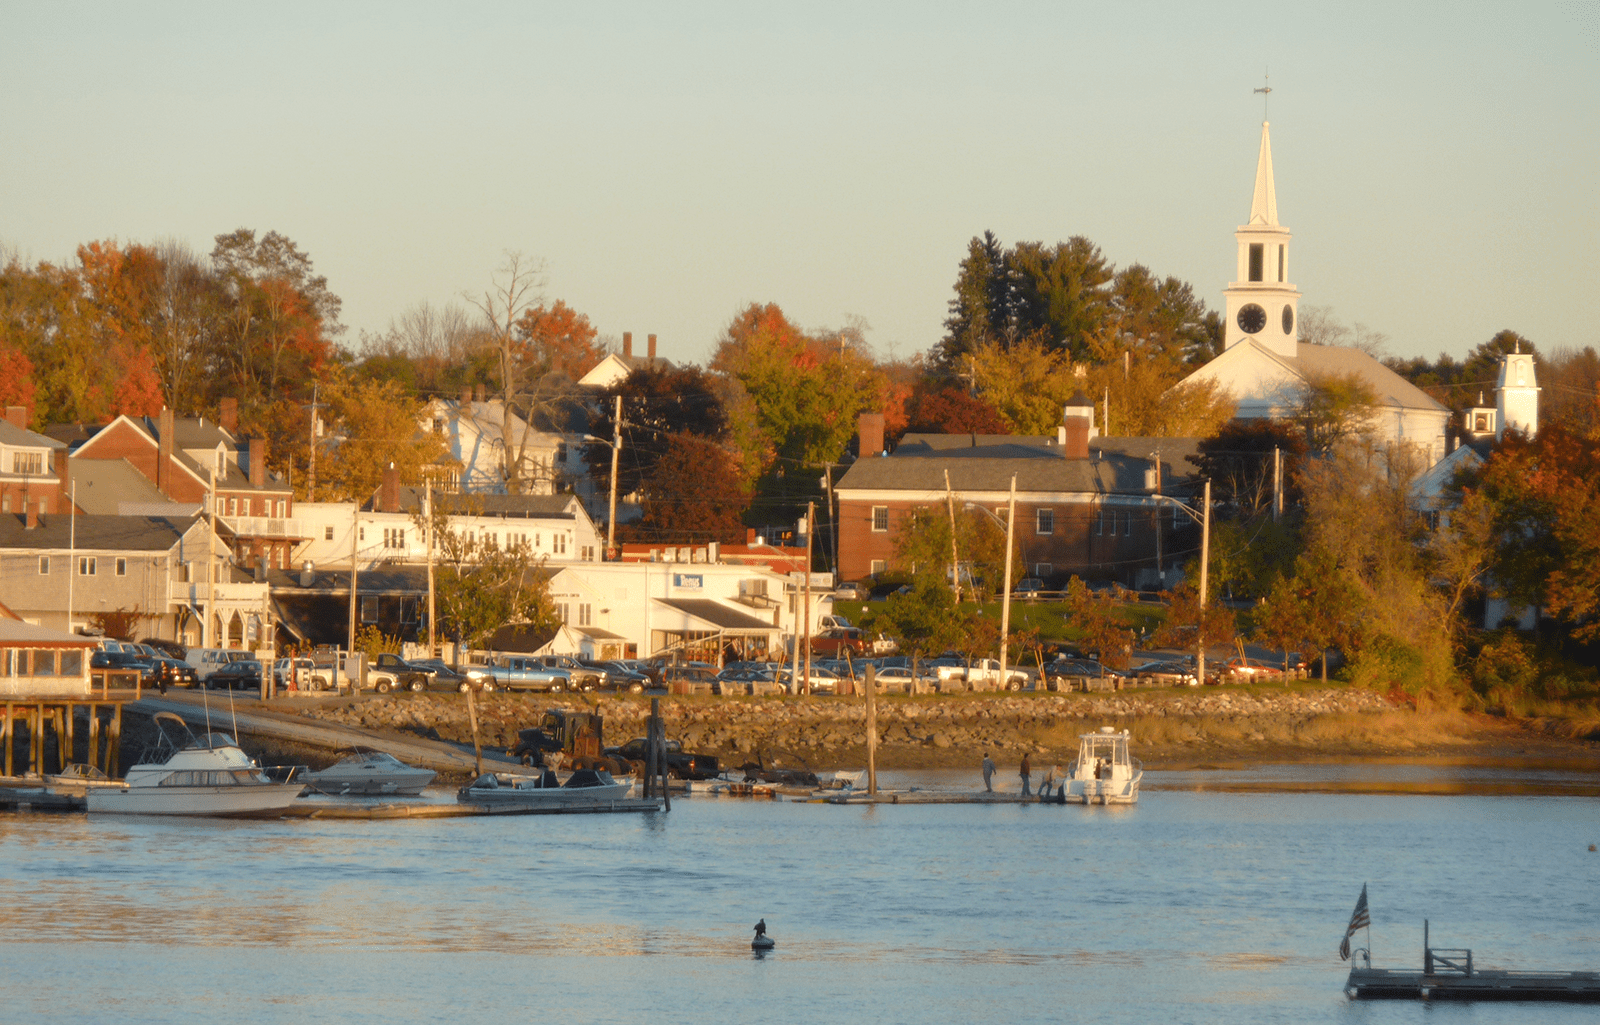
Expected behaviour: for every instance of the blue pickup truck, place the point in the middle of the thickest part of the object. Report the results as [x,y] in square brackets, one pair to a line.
[519,672]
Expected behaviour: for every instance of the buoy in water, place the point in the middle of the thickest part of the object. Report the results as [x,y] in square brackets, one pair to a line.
[762,940]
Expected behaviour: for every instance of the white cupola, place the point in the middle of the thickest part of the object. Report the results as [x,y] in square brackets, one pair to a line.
[1261,304]
[1517,395]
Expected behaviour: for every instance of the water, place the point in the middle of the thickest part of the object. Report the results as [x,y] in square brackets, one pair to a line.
[1191,907]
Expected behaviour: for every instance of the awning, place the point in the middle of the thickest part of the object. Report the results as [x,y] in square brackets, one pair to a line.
[597,634]
[702,615]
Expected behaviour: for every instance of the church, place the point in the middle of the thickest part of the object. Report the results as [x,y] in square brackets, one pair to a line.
[1265,366]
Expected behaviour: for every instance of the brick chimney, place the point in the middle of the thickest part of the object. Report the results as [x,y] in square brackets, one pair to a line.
[652,344]
[258,461]
[1075,438]
[17,416]
[230,416]
[389,496]
[869,428]
[62,468]
[466,399]
[165,429]
[477,392]
[627,345]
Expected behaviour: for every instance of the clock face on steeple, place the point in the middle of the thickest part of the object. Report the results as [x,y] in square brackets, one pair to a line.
[1252,318]
[1288,319]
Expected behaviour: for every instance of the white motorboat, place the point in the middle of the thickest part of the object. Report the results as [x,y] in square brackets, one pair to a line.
[1103,772]
[505,789]
[364,770]
[206,775]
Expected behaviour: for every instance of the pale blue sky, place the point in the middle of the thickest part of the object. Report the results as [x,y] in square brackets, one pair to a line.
[674,162]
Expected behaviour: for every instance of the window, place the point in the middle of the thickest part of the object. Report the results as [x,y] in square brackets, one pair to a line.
[1257,254]
[880,519]
[1044,521]
[1281,250]
[558,543]
[280,509]
[44,663]
[880,566]
[44,565]
[438,425]
[588,553]
[86,565]
[369,609]
[233,507]
[585,615]
[408,611]
[1100,523]
[27,462]
[562,613]
[327,533]
[1127,524]
[561,452]
[122,567]
[394,537]
[71,663]
[1043,569]
[361,533]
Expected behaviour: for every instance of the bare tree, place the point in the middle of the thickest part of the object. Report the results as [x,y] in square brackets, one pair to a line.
[1318,326]
[186,312]
[516,287]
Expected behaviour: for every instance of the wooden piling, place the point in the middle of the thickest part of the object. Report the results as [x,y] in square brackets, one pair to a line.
[472,717]
[11,729]
[114,740]
[872,729]
[94,737]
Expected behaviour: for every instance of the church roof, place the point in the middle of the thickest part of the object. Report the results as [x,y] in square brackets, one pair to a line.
[1239,370]
[1264,202]
[1331,360]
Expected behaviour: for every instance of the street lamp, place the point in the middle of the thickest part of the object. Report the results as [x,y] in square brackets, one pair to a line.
[1204,519]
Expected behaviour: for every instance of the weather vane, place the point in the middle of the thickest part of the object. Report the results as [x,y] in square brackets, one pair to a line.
[1266,93]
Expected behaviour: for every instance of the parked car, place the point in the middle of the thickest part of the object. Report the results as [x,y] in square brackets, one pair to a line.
[440,676]
[1170,674]
[899,678]
[680,764]
[208,660]
[851,592]
[245,674]
[691,673]
[127,661]
[1254,668]
[292,670]
[621,675]
[580,676]
[517,672]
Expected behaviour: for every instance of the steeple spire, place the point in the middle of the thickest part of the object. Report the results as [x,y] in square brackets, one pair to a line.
[1264,204]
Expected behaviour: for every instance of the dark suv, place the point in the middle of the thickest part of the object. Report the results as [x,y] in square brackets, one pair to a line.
[127,661]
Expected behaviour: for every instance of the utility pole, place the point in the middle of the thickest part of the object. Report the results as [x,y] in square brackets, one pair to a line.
[955,560]
[1277,483]
[1107,421]
[355,534]
[872,728]
[811,530]
[211,561]
[427,519]
[1160,571]
[311,470]
[1205,562]
[1005,601]
[616,446]
[72,549]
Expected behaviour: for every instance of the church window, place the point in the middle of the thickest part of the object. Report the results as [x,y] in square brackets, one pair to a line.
[1280,263]
[1257,255]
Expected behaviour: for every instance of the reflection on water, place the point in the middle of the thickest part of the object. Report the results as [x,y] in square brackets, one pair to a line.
[1188,907]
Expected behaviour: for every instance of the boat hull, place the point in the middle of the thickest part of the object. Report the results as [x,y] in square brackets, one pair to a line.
[408,784]
[541,797]
[1102,791]
[220,801]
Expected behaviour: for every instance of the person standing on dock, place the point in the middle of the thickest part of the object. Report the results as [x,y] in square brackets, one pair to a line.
[1025,773]
[988,773]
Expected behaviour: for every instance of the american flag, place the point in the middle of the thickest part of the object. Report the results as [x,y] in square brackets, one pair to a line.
[1359,919]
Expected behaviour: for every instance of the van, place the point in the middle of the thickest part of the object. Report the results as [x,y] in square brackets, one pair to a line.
[208,660]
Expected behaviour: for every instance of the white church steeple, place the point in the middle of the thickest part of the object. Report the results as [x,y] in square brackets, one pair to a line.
[1517,395]
[1261,304]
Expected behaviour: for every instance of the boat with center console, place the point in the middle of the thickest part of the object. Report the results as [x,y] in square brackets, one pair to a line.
[506,789]
[189,775]
[1103,772]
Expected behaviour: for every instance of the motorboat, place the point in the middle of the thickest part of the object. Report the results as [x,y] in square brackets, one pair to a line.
[78,774]
[365,770]
[507,789]
[206,775]
[1103,773]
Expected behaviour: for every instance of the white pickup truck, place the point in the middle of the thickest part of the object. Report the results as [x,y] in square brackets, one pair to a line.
[982,674]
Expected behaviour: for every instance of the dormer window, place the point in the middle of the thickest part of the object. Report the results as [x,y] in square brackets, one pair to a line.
[27,463]
[222,463]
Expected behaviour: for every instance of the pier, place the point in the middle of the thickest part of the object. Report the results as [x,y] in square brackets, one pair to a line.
[1449,974]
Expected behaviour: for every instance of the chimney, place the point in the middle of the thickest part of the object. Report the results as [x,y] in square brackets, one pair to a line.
[477,392]
[308,573]
[652,344]
[230,416]
[1075,435]
[165,431]
[17,416]
[258,461]
[62,468]
[627,345]
[389,497]
[869,427]
[466,399]
[31,512]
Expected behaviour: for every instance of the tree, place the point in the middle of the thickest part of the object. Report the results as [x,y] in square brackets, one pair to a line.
[1060,292]
[658,403]
[1098,628]
[480,586]
[280,315]
[1239,460]
[1026,383]
[1335,408]
[1319,326]
[1571,382]
[375,423]
[981,312]
[558,339]
[1545,496]
[694,493]
[1483,363]
[514,291]
[949,410]
[922,544]
[924,620]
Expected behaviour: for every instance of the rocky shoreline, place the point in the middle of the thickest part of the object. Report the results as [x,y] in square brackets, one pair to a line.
[1170,729]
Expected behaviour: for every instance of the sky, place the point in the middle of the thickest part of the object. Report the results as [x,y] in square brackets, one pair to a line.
[671,163]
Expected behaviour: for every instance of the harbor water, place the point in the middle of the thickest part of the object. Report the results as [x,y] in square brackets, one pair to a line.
[1192,906]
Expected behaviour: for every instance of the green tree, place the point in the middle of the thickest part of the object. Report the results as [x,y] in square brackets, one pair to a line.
[1335,408]
[925,620]
[280,314]
[1098,627]
[922,544]
[1060,292]
[692,494]
[480,586]
[981,312]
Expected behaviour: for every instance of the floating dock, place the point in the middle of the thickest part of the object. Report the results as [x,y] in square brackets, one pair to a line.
[1386,984]
[320,810]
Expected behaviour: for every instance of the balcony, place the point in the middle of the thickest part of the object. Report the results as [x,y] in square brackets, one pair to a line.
[264,526]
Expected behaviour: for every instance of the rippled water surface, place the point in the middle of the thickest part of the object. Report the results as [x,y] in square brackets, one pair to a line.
[1192,906]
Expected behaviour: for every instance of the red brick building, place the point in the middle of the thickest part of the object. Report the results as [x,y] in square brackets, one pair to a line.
[1091,507]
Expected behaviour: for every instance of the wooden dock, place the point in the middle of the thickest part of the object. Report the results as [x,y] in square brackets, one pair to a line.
[31,795]
[319,810]
[1387,984]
